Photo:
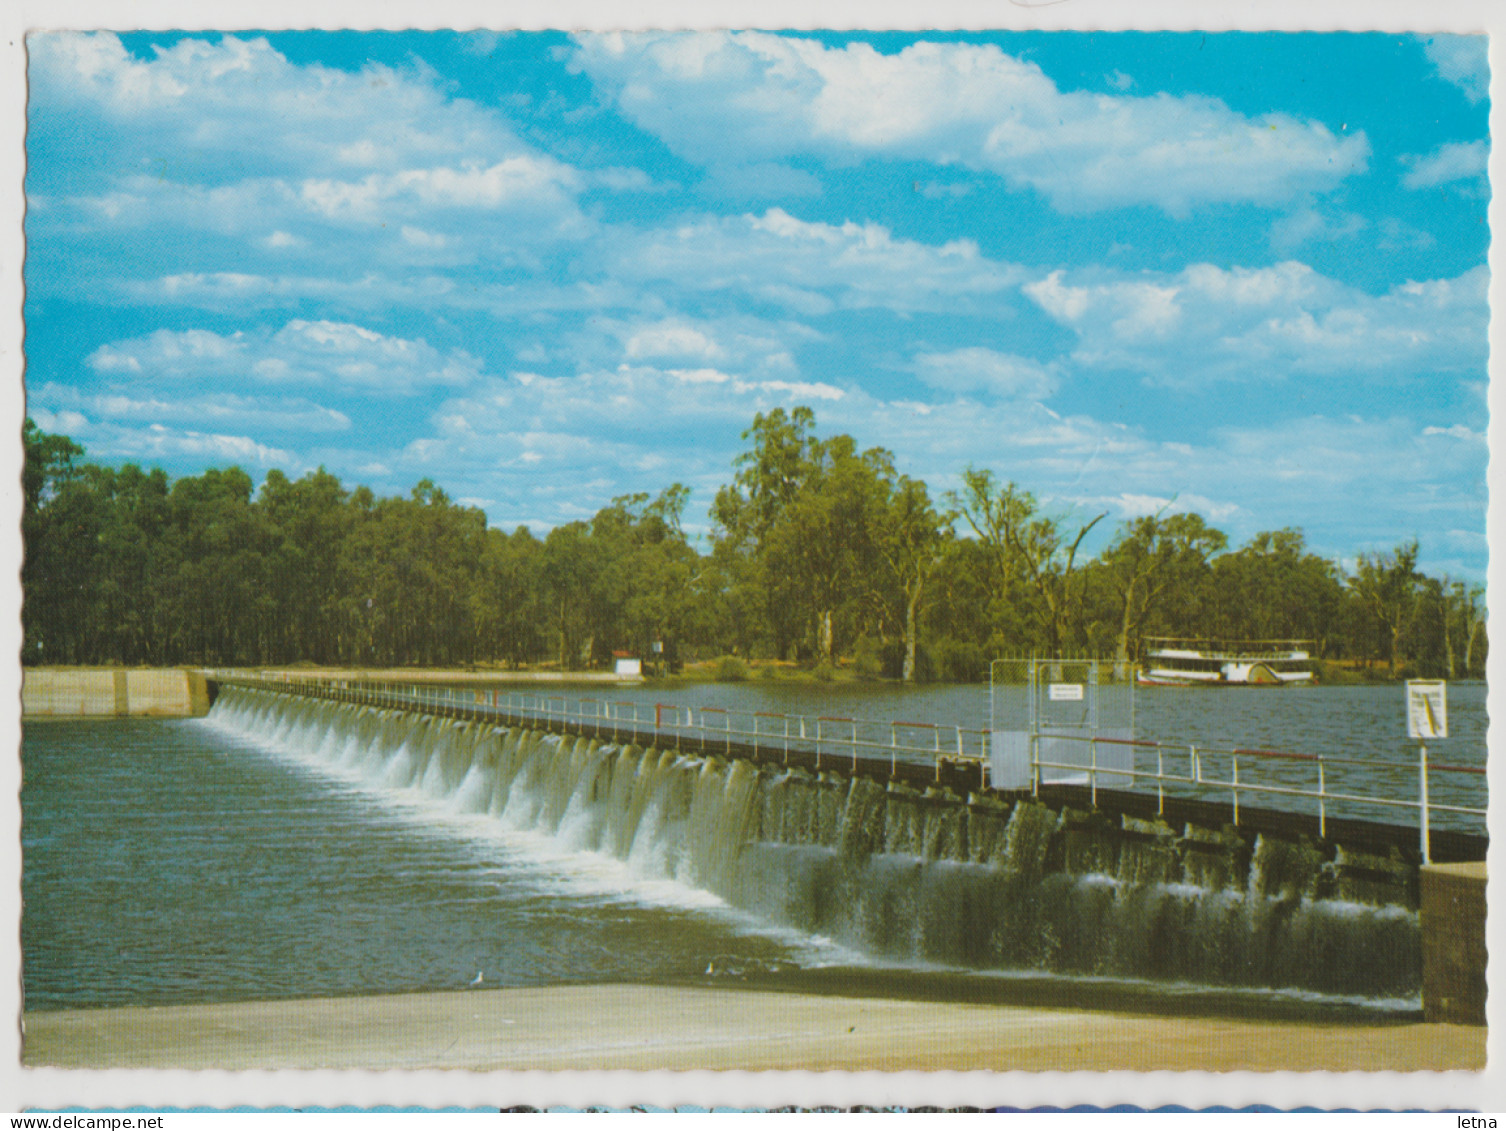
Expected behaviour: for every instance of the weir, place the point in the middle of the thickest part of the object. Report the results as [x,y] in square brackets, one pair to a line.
[898,867]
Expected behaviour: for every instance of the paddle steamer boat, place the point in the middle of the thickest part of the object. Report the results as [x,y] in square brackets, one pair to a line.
[1179,662]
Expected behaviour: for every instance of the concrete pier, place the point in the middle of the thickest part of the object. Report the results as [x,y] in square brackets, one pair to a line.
[113,693]
[1453,942]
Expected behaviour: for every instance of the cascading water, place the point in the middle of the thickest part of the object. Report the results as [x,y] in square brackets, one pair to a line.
[897,874]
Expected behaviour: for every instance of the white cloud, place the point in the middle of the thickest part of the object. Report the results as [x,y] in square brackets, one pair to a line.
[203,100]
[526,179]
[975,369]
[1461,60]
[1455,161]
[65,422]
[1309,225]
[814,268]
[1127,505]
[1457,431]
[1396,235]
[937,190]
[727,99]
[318,353]
[158,442]
[1206,323]
[292,414]
[232,137]
[755,348]
[672,339]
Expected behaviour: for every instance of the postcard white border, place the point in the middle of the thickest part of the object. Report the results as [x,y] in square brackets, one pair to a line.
[107,1089]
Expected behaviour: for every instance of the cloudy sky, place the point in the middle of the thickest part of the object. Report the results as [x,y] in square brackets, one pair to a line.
[1241,272]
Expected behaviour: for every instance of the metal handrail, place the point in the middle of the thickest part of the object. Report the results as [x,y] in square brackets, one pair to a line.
[832,735]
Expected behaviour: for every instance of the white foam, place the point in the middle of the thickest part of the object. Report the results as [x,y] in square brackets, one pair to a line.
[548,864]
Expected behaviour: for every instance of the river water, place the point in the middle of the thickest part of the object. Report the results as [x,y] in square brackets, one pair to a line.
[251,855]
[1341,723]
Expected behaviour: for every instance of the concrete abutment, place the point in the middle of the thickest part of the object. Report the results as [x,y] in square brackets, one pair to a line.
[114,693]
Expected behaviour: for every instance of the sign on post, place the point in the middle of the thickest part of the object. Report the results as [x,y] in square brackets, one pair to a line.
[1427,709]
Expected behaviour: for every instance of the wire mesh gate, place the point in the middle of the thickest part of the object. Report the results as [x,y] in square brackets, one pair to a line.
[1060,721]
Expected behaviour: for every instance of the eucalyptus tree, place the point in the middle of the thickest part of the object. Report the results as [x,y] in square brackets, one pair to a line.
[1153,556]
[509,611]
[134,547]
[1468,606]
[909,539]
[1024,542]
[415,561]
[311,519]
[52,614]
[1386,585]
[219,597]
[1273,588]
[821,549]
[1456,624]
[770,476]
[569,570]
[666,571]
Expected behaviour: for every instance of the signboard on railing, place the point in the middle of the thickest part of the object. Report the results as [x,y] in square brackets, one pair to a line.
[1065,692]
[1427,709]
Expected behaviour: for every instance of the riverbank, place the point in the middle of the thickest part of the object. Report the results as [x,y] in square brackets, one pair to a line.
[647,1028]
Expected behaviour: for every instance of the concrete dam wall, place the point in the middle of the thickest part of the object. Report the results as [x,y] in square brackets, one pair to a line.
[899,873]
[122,692]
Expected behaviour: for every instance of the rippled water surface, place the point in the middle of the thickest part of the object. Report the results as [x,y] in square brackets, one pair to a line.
[166,861]
[1365,723]
[169,861]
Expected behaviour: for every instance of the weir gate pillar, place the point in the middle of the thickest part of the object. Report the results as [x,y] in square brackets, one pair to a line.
[1064,722]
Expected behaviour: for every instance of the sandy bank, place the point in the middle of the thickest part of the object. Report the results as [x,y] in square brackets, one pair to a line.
[647,1027]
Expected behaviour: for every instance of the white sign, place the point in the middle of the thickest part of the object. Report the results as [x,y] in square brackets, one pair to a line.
[1061,692]
[1427,708]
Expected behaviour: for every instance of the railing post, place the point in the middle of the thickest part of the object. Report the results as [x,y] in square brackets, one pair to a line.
[1160,784]
[893,751]
[1093,770]
[1422,771]
[1322,802]
[1234,760]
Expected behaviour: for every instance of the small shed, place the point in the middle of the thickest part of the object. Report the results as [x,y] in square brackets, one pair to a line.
[625,663]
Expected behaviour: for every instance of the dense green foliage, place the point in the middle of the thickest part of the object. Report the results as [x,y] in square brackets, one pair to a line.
[819,553]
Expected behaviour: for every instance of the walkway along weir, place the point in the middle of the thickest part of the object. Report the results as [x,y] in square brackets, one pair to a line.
[810,825]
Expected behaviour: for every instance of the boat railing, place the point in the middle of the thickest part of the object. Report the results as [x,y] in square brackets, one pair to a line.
[1183,647]
[1227,654]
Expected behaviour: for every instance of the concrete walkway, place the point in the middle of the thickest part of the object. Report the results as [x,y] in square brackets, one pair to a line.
[648,1028]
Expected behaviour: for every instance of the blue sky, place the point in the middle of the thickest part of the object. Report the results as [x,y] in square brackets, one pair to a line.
[1241,273]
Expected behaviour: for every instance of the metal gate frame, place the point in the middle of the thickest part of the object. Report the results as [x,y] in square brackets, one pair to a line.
[1048,748]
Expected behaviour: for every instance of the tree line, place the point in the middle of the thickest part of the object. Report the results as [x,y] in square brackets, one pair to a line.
[819,553]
